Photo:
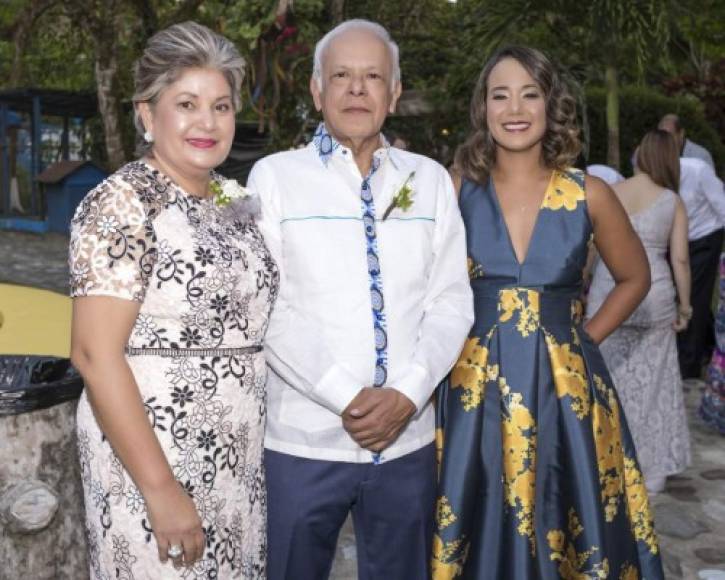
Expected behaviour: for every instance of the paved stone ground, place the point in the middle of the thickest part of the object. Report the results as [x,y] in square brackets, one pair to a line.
[690,513]
[34,260]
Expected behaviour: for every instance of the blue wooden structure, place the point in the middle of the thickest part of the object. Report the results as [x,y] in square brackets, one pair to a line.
[66,183]
[37,103]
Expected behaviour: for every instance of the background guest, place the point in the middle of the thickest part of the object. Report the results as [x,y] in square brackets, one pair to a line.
[671,123]
[704,197]
[712,407]
[642,353]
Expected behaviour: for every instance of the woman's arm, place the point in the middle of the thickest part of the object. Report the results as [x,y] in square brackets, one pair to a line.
[680,261]
[101,326]
[622,252]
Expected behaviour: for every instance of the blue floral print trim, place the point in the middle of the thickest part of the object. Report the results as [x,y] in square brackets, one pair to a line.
[376,281]
[376,285]
[324,143]
[326,146]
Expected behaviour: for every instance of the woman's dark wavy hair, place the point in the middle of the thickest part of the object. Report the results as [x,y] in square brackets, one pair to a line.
[560,147]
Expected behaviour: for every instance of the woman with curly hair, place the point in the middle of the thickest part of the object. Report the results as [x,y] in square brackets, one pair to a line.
[538,473]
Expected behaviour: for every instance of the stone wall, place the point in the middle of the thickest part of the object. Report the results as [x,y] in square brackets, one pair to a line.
[41,499]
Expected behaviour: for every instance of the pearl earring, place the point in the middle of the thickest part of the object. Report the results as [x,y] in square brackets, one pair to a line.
[148,137]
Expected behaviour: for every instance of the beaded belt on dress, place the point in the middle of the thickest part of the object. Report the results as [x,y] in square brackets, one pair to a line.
[192,352]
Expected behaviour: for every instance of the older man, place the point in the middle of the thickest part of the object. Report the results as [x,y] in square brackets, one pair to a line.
[374,308]
[704,198]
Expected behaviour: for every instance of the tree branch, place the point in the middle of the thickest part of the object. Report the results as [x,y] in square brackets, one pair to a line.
[21,29]
[184,11]
[149,18]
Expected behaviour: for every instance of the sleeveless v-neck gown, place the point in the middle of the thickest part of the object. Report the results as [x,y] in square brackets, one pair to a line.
[538,473]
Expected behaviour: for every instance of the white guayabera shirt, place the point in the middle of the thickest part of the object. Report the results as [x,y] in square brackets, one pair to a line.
[320,342]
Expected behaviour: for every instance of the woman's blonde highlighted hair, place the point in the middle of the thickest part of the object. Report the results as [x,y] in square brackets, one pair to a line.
[560,147]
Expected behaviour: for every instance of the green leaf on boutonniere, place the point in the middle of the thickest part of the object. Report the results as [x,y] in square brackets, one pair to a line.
[227,192]
[218,195]
[403,199]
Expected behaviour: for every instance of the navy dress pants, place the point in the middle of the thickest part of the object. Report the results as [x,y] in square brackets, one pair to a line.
[695,342]
[392,506]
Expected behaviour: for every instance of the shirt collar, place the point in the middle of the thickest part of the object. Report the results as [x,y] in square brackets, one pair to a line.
[327,147]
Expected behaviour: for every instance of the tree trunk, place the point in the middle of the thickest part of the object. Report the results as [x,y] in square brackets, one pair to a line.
[22,28]
[612,85]
[337,11]
[109,106]
[283,6]
[41,499]
[101,18]
[104,28]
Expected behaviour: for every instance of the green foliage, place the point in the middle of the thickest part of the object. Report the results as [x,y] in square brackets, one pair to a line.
[641,109]
[8,11]
[275,93]
[432,63]
[57,54]
[701,28]
[443,48]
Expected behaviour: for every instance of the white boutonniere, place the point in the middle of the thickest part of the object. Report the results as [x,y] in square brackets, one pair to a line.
[228,193]
[403,198]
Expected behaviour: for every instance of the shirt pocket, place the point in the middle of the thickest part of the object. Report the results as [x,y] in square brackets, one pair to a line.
[407,249]
[324,253]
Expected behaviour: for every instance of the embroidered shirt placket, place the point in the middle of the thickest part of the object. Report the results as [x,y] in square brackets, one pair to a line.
[376,284]
[326,145]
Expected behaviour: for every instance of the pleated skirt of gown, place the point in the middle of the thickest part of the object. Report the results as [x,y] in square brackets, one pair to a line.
[538,472]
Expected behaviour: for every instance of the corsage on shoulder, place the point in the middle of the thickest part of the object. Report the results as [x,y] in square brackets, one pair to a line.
[229,194]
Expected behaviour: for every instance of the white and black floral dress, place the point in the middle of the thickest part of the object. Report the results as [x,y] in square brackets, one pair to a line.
[206,283]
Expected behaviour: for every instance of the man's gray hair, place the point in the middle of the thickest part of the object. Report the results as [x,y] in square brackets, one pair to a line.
[172,51]
[357,24]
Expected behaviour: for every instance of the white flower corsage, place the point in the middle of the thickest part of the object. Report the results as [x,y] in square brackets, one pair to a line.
[228,193]
[403,198]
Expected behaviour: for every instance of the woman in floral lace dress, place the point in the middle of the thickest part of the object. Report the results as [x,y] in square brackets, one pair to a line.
[172,291]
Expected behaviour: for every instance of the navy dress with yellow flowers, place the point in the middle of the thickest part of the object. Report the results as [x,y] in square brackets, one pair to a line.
[538,473]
